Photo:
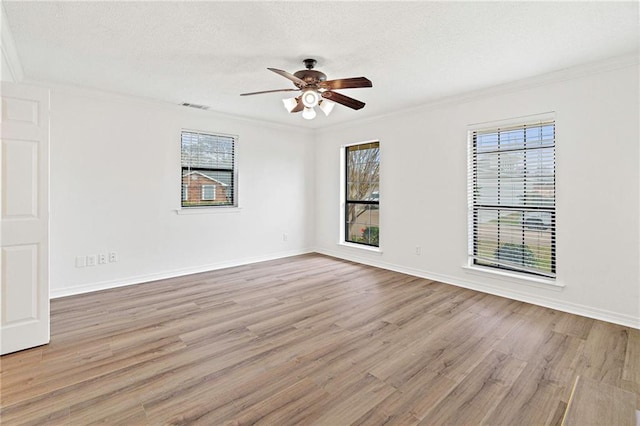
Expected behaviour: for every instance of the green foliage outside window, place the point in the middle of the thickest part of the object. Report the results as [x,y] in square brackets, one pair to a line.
[370,235]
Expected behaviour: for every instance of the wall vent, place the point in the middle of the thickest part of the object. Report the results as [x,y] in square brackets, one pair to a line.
[187,104]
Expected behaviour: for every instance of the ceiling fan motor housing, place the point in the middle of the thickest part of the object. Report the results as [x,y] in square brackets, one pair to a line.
[311,76]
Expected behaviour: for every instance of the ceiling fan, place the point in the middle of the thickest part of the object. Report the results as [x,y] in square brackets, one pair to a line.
[317,90]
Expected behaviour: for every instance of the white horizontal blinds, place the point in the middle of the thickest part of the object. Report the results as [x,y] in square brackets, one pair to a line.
[362,195]
[512,194]
[208,170]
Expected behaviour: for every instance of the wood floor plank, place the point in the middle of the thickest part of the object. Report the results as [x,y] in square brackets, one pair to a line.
[52,417]
[412,401]
[348,404]
[479,393]
[308,340]
[574,325]
[532,396]
[631,369]
[114,410]
[54,377]
[524,340]
[296,404]
[18,361]
[594,403]
[604,355]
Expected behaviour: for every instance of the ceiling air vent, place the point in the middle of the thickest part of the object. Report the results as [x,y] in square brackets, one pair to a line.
[187,104]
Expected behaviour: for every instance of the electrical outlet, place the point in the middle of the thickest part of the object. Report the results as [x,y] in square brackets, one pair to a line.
[113,256]
[91,260]
[81,261]
[284,236]
[102,258]
[418,250]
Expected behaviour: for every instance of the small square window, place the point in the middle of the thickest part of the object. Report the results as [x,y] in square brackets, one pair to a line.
[208,192]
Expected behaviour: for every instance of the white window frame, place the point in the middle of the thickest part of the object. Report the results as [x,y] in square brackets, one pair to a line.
[235,205]
[342,213]
[185,192]
[213,197]
[536,277]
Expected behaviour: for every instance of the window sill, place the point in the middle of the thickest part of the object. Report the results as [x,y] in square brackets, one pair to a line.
[540,282]
[208,210]
[371,249]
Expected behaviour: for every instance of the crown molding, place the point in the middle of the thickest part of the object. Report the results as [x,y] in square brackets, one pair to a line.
[8,48]
[579,71]
[108,96]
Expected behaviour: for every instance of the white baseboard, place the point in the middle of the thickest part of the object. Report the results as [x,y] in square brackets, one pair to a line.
[139,279]
[587,311]
[547,302]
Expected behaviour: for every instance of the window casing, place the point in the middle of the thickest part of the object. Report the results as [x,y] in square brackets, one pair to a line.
[208,192]
[362,194]
[512,208]
[209,170]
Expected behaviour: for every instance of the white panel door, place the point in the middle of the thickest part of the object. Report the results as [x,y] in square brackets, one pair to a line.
[24,213]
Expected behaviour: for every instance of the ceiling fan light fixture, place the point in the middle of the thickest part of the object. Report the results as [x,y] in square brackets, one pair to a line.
[327,106]
[310,98]
[290,103]
[309,113]
[315,90]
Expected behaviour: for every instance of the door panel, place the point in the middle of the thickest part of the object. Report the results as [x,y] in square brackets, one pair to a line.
[20,278]
[21,174]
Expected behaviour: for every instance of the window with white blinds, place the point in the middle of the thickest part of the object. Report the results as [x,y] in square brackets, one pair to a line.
[512,214]
[209,170]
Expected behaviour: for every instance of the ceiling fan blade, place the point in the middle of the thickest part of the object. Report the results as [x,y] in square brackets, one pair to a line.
[346,83]
[298,81]
[268,91]
[298,107]
[343,100]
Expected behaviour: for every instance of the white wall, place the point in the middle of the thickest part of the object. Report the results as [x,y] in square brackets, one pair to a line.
[423,191]
[115,186]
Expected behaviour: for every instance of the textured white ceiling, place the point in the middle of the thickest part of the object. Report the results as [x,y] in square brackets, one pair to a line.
[210,52]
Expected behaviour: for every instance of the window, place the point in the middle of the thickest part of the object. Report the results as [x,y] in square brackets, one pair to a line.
[512,213]
[362,195]
[208,192]
[209,170]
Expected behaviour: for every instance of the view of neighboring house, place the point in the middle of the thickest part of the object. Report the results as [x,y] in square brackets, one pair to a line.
[198,189]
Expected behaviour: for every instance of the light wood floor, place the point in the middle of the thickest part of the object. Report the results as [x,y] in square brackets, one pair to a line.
[309,340]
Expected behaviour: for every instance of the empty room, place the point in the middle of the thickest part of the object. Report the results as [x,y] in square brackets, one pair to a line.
[320,213]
